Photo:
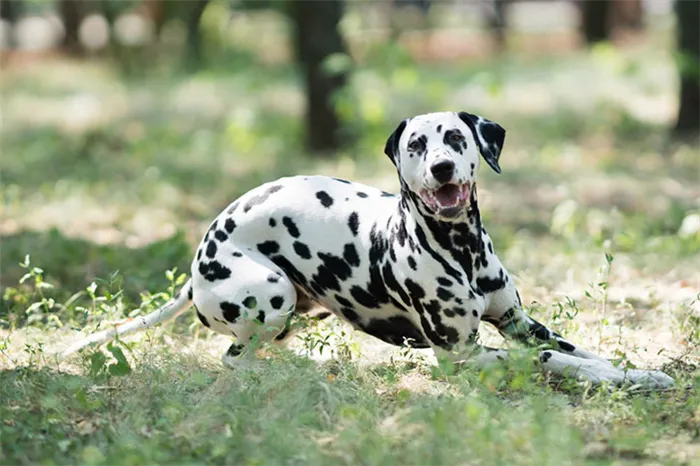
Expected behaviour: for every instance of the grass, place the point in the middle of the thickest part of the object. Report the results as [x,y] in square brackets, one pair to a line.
[108,183]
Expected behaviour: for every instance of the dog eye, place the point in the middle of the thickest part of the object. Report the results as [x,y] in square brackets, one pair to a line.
[456,138]
[414,145]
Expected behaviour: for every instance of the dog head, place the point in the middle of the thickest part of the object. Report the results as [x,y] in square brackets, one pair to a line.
[437,157]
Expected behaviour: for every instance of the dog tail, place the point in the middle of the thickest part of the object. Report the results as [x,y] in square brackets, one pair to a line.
[169,310]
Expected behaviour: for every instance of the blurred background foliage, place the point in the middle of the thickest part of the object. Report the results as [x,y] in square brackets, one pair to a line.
[128,124]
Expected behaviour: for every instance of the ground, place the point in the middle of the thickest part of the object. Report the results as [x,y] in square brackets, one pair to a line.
[112,181]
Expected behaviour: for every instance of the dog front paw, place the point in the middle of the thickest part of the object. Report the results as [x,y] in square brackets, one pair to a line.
[649,379]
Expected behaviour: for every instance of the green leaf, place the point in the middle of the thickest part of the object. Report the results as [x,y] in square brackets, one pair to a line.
[97,362]
[118,369]
[122,365]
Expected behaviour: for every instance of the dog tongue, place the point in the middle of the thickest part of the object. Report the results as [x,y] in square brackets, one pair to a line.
[448,195]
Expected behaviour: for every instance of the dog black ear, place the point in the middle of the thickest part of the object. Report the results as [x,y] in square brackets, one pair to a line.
[489,135]
[392,144]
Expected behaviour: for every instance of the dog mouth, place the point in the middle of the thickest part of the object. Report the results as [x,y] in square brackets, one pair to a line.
[449,200]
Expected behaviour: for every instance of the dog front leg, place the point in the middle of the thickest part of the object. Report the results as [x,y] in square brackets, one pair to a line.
[513,322]
[551,361]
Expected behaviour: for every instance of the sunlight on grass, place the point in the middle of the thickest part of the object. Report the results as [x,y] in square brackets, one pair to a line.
[109,182]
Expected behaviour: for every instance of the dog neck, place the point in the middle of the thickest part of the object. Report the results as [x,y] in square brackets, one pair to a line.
[462,240]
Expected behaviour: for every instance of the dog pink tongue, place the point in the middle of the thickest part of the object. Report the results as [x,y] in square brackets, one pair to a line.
[448,195]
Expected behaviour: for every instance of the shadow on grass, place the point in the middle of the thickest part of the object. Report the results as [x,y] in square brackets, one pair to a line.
[72,264]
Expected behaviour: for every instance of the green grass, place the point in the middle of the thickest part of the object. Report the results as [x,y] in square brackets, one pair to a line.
[107,183]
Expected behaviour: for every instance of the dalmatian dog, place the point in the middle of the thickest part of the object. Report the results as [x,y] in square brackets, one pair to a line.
[416,268]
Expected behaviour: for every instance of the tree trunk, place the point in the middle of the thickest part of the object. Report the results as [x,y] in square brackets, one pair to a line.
[595,20]
[10,11]
[628,14]
[497,22]
[317,37]
[194,36]
[688,43]
[72,17]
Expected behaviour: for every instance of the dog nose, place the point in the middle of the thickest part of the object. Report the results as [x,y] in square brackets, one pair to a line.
[443,170]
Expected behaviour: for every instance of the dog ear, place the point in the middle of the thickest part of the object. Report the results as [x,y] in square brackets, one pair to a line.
[392,144]
[489,135]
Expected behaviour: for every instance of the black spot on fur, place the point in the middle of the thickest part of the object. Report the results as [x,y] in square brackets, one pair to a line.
[415,290]
[342,181]
[489,285]
[444,281]
[361,194]
[444,294]
[475,313]
[449,140]
[292,272]
[354,223]
[544,357]
[343,302]
[250,302]
[350,315]
[540,331]
[231,311]
[412,263]
[235,350]
[325,198]
[394,285]
[363,297]
[291,226]
[203,320]
[190,293]
[273,278]
[276,302]
[439,129]
[350,255]
[261,198]
[396,330]
[213,271]
[199,254]
[211,249]
[272,222]
[302,250]
[237,254]
[229,225]
[449,270]
[332,271]
[261,317]
[220,235]
[566,346]
[268,247]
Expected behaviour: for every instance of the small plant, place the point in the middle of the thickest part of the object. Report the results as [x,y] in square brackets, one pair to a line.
[599,294]
[331,337]
[119,367]
[32,293]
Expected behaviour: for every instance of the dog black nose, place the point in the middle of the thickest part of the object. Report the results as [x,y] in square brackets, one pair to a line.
[443,170]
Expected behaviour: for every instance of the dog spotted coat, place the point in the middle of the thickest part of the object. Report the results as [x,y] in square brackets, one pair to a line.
[417,268]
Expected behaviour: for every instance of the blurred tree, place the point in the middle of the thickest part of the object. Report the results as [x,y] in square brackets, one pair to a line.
[409,15]
[316,38]
[497,22]
[628,14]
[10,11]
[71,12]
[595,20]
[194,37]
[688,59]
